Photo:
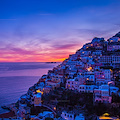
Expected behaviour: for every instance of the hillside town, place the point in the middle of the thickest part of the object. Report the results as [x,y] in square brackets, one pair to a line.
[85,86]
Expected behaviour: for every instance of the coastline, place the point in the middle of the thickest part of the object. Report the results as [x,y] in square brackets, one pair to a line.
[55,86]
[9,78]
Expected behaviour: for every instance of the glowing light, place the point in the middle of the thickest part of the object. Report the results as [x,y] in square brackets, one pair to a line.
[89,69]
[110,70]
[111,41]
[105,116]
[38,91]
[91,44]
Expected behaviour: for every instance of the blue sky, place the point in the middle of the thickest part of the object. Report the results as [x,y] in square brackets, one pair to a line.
[50,30]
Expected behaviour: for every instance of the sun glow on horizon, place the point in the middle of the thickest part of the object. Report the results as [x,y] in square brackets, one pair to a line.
[33,59]
[23,55]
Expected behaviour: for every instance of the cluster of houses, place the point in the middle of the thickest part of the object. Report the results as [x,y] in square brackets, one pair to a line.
[71,116]
[93,69]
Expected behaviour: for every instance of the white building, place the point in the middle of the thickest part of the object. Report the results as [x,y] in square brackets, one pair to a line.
[72,84]
[110,59]
[103,76]
[71,116]
[97,53]
[86,88]
[102,94]
[89,75]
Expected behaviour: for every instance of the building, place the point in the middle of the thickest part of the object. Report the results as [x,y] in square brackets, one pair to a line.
[113,59]
[67,115]
[72,84]
[103,76]
[47,89]
[53,84]
[113,47]
[37,99]
[71,116]
[86,88]
[45,114]
[89,75]
[23,112]
[102,94]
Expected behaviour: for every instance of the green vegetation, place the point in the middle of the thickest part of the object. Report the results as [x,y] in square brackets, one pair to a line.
[69,100]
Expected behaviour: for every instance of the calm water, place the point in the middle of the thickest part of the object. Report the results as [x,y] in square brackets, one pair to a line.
[16,78]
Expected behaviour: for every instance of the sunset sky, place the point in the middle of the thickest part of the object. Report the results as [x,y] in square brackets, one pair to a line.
[50,30]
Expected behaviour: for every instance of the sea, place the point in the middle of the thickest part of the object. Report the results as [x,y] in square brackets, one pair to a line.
[17,77]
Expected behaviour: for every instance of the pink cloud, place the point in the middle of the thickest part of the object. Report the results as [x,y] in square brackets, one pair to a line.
[56,52]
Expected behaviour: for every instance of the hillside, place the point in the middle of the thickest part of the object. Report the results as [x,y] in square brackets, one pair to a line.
[92,73]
